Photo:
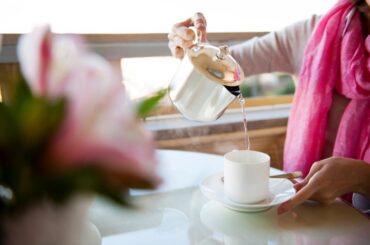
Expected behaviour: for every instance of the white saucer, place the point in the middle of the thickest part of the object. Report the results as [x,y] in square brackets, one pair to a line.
[281,190]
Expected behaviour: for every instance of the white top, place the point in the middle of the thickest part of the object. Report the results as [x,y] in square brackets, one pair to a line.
[279,51]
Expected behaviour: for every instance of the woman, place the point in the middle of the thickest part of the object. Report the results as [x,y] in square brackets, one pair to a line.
[328,135]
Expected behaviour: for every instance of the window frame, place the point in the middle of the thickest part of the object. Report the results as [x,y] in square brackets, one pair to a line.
[114,47]
[117,46]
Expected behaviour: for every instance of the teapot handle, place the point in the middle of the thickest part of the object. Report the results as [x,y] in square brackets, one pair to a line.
[197,36]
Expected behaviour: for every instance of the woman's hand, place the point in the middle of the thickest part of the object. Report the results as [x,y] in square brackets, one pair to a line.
[181,37]
[331,178]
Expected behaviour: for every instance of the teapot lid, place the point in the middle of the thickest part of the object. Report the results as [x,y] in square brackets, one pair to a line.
[215,63]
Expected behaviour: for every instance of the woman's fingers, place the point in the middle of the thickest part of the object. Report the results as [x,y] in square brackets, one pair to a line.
[183,32]
[302,195]
[178,45]
[182,43]
[176,51]
[199,21]
[305,189]
[299,185]
[182,36]
[328,179]
[200,24]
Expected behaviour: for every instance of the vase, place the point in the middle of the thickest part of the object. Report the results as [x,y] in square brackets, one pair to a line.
[50,223]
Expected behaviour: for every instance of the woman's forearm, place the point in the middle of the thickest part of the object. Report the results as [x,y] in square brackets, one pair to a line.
[281,50]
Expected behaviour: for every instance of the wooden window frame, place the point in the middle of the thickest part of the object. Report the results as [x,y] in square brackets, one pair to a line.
[267,116]
[114,47]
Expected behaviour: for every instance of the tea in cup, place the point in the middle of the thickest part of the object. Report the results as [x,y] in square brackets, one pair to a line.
[246,176]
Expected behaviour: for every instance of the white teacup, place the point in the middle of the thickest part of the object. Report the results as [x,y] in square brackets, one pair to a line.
[246,176]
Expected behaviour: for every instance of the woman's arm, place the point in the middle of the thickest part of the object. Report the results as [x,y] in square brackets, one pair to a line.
[277,51]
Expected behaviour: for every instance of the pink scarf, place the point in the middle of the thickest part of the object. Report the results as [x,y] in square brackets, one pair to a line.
[332,61]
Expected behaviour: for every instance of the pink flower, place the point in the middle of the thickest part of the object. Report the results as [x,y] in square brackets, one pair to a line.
[100,127]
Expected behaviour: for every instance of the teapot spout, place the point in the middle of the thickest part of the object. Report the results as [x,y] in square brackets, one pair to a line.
[235,90]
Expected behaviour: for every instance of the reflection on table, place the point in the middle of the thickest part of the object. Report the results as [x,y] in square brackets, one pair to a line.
[178,213]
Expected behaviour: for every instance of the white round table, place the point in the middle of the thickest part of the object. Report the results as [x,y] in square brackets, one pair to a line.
[178,213]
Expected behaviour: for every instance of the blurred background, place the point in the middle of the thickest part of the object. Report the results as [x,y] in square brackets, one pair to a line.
[132,35]
[148,16]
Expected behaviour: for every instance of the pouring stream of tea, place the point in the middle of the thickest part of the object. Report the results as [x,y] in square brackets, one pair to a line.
[246,136]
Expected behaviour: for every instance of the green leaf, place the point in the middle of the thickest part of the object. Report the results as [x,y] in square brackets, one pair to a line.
[145,106]
[6,127]
[20,92]
[38,120]
[28,124]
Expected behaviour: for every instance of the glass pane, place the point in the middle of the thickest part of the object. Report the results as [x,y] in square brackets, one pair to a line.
[145,76]
[149,16]
[271,84]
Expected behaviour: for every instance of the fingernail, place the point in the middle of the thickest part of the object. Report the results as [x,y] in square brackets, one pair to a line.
[282,209]
[199,24]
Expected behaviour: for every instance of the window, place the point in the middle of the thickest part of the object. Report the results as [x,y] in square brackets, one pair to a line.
[147,17]
[150,16]
[133,35]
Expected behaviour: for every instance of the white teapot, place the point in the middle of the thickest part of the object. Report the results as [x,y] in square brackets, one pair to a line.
[206,82]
